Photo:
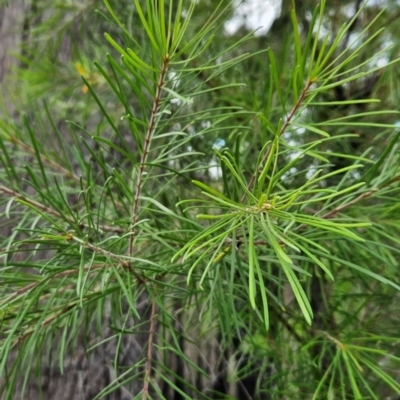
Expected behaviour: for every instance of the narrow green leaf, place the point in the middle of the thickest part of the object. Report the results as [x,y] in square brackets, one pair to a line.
[371,173]
[286,264]
[218,195]
[147,27]
[252,261]
[274,72]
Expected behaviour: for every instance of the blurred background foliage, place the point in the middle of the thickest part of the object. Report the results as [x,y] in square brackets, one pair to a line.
[351,349]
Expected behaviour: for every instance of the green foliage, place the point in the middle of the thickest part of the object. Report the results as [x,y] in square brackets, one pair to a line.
[223,199]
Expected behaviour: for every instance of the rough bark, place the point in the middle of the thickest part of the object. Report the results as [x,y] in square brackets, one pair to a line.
[11,22]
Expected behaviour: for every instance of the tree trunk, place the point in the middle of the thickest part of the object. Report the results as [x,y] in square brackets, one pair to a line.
[11,26]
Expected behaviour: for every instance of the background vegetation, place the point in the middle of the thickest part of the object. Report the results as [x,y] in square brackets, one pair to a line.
[189,213]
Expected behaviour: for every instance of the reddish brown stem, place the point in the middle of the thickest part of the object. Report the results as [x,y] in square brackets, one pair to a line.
[148,368]
[146,148]
[283,129]
[43,324]
[31,286]
[125,264]
[46,160]
[336,210]
[53,212]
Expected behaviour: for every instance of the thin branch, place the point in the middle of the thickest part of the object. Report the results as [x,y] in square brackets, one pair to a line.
[45,323]
[99,250]
[336,210]
[51,163]
[27,288]
[283,129]
[62,170]
[51,211]
[148,367]
[34,203]
[146,148]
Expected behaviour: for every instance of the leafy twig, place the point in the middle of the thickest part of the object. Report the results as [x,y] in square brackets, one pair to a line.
[31,286]
[121,260]
[282,130]
[336,210]
[46,160]
[45,323]
[146,147]
[51,211]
